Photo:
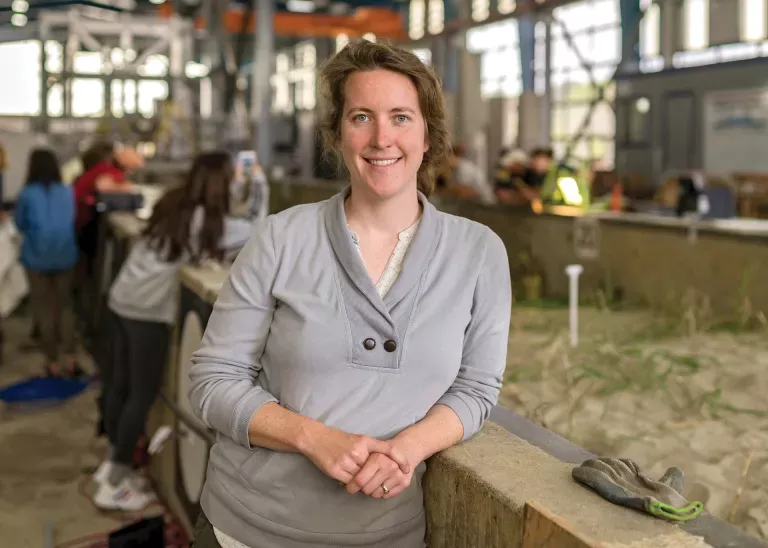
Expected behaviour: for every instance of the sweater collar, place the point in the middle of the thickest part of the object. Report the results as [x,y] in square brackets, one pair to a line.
[415,263]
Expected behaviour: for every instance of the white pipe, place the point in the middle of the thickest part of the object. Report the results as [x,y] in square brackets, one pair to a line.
[573,271]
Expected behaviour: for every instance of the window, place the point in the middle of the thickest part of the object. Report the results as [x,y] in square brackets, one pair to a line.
[22,59]
[151,92]
[753,20]
[500,70]
[87,62]
[341,41]
[696,18]
[506,6]
[416,19]
[425,54]
[436,22]
[650,31]
[294,79]
[481,9]
[584,52]
[87,97]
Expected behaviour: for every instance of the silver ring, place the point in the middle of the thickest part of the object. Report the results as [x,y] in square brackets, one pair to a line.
[385,489]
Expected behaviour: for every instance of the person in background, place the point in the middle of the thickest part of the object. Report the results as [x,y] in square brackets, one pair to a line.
[355,337]
[509,172]
[538,167]
[520,183]
[107,175]
[190,223]
[45,216]
[3,167]
[3,219]
[467,179]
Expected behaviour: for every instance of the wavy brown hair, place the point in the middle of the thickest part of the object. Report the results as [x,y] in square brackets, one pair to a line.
[362,55]
[207,186]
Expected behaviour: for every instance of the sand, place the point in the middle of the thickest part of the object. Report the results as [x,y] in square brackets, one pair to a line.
[634,388]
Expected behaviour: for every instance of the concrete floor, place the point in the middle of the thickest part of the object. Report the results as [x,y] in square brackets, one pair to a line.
[46,458]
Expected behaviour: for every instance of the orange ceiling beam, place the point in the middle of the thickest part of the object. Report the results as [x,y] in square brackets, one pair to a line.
[382,22]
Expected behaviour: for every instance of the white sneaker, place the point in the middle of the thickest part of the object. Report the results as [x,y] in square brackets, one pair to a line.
[140,482]
[102,472]
[101,475]
[125,496]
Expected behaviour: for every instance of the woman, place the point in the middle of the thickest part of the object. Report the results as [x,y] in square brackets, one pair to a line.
[45,216]
[188,224]
[355,337]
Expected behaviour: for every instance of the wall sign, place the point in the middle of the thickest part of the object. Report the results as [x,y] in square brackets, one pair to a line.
[736,131]
[586,237]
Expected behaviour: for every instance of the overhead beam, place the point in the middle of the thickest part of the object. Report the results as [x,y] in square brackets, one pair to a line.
[136,25]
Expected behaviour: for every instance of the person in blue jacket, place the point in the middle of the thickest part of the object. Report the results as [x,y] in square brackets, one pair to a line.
[45,216]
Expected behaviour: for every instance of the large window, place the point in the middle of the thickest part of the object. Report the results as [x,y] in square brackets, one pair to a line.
[650,29]
[22,60]
[585,50]
[499,47]
[417,19]
[294,79]
[696,18]
[87,91]
[753,20]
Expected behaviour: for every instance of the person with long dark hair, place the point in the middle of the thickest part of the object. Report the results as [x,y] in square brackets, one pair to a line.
[45,215]
[189,224]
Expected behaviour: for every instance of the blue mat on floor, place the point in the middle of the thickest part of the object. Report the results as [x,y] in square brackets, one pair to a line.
[42,391]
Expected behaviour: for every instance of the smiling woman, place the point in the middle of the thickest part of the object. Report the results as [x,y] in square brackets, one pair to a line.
[355,337]
[374,76]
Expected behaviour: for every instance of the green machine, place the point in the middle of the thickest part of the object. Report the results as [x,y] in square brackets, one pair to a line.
[566,185]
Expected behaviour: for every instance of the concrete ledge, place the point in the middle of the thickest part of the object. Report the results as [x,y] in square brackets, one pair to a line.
[475,494]
[126,224]
[206,282]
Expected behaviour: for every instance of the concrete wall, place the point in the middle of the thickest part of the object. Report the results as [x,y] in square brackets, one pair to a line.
[647,159]
[648,261]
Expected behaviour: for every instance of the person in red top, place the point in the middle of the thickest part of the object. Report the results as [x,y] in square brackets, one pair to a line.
[107,175]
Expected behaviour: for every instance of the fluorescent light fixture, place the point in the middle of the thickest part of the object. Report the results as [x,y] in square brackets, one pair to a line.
[20,6]
[300,6]
[157,2]
[18,19]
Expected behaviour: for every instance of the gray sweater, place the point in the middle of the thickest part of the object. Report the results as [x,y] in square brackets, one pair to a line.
[289,326]
[146,288]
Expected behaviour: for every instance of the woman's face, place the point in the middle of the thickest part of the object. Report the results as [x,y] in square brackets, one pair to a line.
[383,133]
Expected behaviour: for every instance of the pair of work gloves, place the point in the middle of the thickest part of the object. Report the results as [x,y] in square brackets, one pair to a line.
[621,482]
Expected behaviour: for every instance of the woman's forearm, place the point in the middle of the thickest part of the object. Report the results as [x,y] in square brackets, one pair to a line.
[438,430]
[279,429]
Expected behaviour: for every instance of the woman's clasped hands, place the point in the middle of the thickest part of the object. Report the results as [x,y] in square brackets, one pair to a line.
[380,469]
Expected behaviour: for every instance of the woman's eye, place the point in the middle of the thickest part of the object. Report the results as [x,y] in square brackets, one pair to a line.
[401,118]
[361,117]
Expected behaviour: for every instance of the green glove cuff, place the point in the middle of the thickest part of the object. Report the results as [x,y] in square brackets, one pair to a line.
[667,511]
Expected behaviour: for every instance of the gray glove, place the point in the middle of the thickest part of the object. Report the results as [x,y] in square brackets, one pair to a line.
[621,481]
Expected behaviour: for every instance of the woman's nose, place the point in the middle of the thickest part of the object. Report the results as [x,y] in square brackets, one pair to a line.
[382,135]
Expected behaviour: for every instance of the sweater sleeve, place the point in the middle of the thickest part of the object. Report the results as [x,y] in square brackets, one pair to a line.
[476,388]
[224,392]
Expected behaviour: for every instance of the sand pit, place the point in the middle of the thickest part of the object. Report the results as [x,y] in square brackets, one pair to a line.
[638,388]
